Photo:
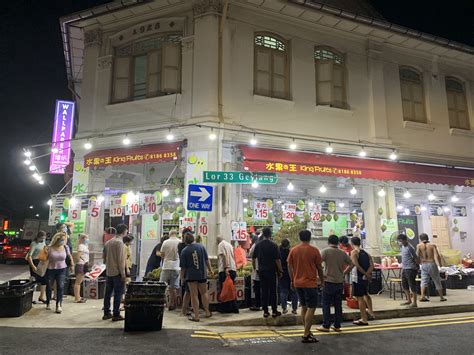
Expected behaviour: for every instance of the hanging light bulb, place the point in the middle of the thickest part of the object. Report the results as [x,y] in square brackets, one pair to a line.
[293,144]
[407,194]
[32,167]
[49,202]
[36,176]
[41,182]
[431,197]
[329,148]
[177,199]
[446,209]
[253,140]
[100,198]
[399,207]
[87,145]
[27,161]
[126,140]
[290,186]
[54,150]
[353,190]
[170,135]
[362,153]
[341,204]
[454,198]
[165,192]
[407,212]
[72,200]
[311,204]
[212,135]
[393,155]
[381,192]
[323,189]
[245,200]
[423,208]
[27,153]
[245,209]
[254,184]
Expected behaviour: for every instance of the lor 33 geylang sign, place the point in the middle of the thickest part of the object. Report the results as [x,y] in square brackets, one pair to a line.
[62,134]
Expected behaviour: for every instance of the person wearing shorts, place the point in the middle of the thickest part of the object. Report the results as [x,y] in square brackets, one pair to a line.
[409,271]
[36,246]
[304,267]
[428,254]
[170,269]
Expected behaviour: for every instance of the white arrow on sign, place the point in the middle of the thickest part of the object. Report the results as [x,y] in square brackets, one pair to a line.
[203,194]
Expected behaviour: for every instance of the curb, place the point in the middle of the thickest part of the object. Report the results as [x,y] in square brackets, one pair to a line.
[289,320]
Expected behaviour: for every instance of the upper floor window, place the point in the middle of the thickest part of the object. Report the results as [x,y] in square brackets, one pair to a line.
[458,117]
[330,78]
[413,102]
[147,68]
[271,68]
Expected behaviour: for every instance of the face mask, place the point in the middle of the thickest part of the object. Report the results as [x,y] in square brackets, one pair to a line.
[65,229]
[61,242]
[86,242]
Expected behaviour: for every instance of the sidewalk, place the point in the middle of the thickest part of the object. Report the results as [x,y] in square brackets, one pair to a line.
[89,314]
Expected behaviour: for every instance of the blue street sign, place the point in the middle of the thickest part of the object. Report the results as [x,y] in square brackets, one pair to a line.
[200,198]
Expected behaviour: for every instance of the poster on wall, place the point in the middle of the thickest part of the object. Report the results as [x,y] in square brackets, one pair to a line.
[337,227]
[389,228]
[436,210]
[80,178]
[408,225]
[459,211]
[150,227]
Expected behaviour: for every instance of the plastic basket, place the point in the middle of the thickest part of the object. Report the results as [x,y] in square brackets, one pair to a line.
[150,291]
[16,297]
[16,287]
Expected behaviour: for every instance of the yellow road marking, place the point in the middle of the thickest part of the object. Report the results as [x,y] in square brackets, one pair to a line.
[205,332]
[262,335]
[205,336]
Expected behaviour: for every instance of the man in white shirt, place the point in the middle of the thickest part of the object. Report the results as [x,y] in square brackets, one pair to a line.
[170,268]
[226,266]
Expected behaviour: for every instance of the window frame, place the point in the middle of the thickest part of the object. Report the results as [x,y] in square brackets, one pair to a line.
[271,52]
[456,108]
[332,102]
[412,101]
[131,70]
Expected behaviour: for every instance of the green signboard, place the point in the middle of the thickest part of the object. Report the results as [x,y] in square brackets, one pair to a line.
[338,227]
[389,236]
[239,177]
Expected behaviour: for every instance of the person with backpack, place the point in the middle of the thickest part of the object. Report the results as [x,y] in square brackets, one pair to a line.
[361,274]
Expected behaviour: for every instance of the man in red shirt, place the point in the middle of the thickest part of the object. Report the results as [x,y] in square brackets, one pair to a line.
[304,261]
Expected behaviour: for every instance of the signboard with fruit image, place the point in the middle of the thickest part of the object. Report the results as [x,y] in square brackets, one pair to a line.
[389,228]
[408,225]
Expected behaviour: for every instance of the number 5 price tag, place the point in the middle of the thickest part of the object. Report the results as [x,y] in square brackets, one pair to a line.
[94,208]
[74,212]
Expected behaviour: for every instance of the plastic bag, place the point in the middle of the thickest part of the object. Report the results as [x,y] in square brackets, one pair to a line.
[228,291]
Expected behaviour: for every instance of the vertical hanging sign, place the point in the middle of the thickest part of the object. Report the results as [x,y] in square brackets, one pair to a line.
[62,134]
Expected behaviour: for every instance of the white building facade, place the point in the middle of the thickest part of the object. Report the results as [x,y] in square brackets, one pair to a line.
[217,74]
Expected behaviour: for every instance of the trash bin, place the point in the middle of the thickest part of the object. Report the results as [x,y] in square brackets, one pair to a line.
[145,305]
[16,297]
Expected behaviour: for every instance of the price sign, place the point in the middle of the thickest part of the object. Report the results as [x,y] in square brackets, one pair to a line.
[289,211]
[187,223]
[260,210]
[239,231]
[74,213]
[96,271]
[91,288]
[148,203]
[93,209]
[315,213]
[240,288]
[203,227]
[212,290]
[115,207]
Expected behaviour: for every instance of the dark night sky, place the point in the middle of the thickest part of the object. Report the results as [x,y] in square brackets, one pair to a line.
[33,76]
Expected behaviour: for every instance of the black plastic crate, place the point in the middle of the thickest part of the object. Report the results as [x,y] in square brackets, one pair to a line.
[459,281]
[146,291]
[143,316]
[16,298]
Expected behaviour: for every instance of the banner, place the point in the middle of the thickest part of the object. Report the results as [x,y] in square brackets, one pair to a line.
[149,227]
[80,178]
[62,134]
[389,236]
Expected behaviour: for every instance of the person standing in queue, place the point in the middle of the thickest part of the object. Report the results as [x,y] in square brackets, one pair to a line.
[154,261]
[195,266]
[82,266]
[304,267]
[226,267]
[336,264]
[170,269]
[410,263]
[286,292]
[361,274]
[184,287]
[255,278]
[269,267]
[115,262]
[428,254]
[36,246]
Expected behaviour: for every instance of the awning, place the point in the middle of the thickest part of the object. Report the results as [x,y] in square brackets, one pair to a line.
[283,161]
[155,153]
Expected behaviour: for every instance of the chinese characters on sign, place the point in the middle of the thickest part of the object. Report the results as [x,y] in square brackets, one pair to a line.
[260,210]
[125,159]
[148,203]
[115,207]
[62,134]
[315,212]
[94,208]
[74,213]
[239,231]
[289,211]
[302,168]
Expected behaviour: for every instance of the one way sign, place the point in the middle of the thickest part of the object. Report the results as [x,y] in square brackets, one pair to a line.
[200,198]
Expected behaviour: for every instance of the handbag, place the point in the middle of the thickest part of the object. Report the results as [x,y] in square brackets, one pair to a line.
[42,268]
[43,254]
[228,291]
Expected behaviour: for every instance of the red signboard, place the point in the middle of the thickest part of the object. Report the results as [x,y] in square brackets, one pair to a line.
[156,153]
[282,161]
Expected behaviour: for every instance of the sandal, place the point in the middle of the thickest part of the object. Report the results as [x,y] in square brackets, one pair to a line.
[266,314]
[42,301]
[208,315]
[309,339]
[360,322]
[192,319]
[82,300]
[310,333]
[443,299]
[424,299]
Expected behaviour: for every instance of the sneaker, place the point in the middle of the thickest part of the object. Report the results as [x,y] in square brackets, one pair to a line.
[285,311]
[424,299]
[322,329]
[117,318]
[107,316]
[294,311]
[48,307]
[59,309]
[276,314]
